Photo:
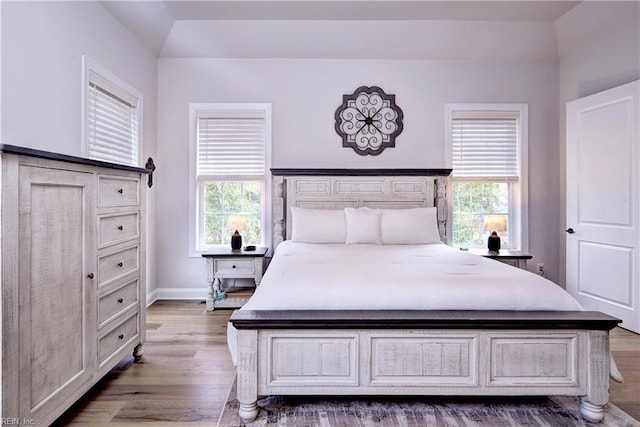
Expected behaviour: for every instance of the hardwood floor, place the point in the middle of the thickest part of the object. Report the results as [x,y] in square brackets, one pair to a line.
[625,347]
[186,372]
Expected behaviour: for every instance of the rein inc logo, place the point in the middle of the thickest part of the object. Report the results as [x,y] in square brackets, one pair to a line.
[17,422]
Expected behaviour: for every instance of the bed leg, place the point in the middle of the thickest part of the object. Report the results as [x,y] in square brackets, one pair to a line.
[248,374]
[248,411]
[591,412]
[591,405]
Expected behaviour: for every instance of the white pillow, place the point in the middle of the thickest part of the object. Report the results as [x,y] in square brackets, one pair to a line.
[318,225]
[363,225]
[409,226]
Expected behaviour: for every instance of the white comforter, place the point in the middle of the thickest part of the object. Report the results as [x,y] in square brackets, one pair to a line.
[406,277]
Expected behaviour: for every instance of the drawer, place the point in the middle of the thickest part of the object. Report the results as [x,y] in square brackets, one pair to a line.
[117,264]
[118,228]
[234,267]
[118,191]
[116,302]
[512,262]
[117,338]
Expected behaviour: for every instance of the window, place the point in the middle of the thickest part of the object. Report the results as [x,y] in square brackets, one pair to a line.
[112,117]
[229,173]
[488,149]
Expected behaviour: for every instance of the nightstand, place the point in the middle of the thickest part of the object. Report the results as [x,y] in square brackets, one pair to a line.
[227,263]
[514,258]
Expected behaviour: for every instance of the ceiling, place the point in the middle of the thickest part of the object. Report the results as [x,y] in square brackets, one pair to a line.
[370,10]
[372,29]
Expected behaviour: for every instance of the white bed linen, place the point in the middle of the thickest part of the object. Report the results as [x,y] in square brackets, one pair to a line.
[410,277]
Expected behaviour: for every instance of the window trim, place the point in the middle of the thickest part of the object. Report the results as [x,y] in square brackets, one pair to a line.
[520,207]
[194,110]
[89,66]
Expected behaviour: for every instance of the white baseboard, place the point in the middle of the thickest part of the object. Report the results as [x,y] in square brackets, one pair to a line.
[180,294]
[152,297]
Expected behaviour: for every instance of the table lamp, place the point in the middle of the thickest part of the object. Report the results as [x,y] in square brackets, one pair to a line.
[237,223]
[496,224]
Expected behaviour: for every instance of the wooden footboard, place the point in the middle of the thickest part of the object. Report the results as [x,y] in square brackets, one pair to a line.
[500,353]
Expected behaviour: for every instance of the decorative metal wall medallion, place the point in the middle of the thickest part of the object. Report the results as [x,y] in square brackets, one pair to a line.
[368,120]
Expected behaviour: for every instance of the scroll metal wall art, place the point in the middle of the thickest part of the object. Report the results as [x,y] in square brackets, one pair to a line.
[368,120]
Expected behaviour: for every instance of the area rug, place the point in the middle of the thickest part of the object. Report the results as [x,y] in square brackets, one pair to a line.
[417,411]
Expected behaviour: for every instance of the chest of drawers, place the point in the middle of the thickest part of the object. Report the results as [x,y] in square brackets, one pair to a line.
[73,277]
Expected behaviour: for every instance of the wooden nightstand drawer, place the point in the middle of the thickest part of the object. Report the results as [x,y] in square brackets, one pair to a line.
[118,228]
[117,264]
[117,302]
[514,258]
[234,267]
[117,338]
[118,191]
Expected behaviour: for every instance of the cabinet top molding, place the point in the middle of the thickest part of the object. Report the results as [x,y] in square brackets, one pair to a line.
[361,172]
[30,152]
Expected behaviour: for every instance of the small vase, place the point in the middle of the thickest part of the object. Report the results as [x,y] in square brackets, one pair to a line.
[493,243]
[236,241]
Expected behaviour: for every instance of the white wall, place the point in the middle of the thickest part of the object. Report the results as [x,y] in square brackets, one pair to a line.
[42,48]
[600,49]
[305,94]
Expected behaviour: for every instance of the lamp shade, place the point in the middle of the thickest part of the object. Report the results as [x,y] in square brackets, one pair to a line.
[237,222]
[497,223]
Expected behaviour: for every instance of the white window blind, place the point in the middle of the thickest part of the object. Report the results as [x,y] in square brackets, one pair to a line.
[485,146]
[230,146]
[112,122]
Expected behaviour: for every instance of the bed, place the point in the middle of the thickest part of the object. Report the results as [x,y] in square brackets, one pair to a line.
[358,318]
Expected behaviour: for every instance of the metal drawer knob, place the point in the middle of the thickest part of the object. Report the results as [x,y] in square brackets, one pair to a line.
[120,227]
[90,275]
[121,191]
[121,336]
[120,264]
[120,300]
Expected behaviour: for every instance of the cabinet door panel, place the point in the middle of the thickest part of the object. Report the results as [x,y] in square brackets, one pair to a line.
[57,330]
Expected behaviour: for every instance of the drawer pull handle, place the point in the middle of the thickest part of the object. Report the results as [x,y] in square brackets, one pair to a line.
[90,275]
[121,191]
[120,227]
[120,264]
[121,336]
[120,300]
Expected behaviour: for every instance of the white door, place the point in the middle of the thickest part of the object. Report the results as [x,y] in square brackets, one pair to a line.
[603,208]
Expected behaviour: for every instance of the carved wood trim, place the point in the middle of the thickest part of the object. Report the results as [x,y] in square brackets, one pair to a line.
[360,172]
[278,207]
[337,188]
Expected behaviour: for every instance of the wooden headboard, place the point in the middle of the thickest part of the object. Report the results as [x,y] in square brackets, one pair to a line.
[340,188]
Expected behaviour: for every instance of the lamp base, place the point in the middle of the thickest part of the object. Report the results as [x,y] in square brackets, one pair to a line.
[493,243]
[236,242]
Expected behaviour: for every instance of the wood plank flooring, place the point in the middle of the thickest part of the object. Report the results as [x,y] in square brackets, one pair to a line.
[625,347]
[186,373]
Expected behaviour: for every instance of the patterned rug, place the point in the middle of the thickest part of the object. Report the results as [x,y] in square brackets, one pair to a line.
[417,411]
